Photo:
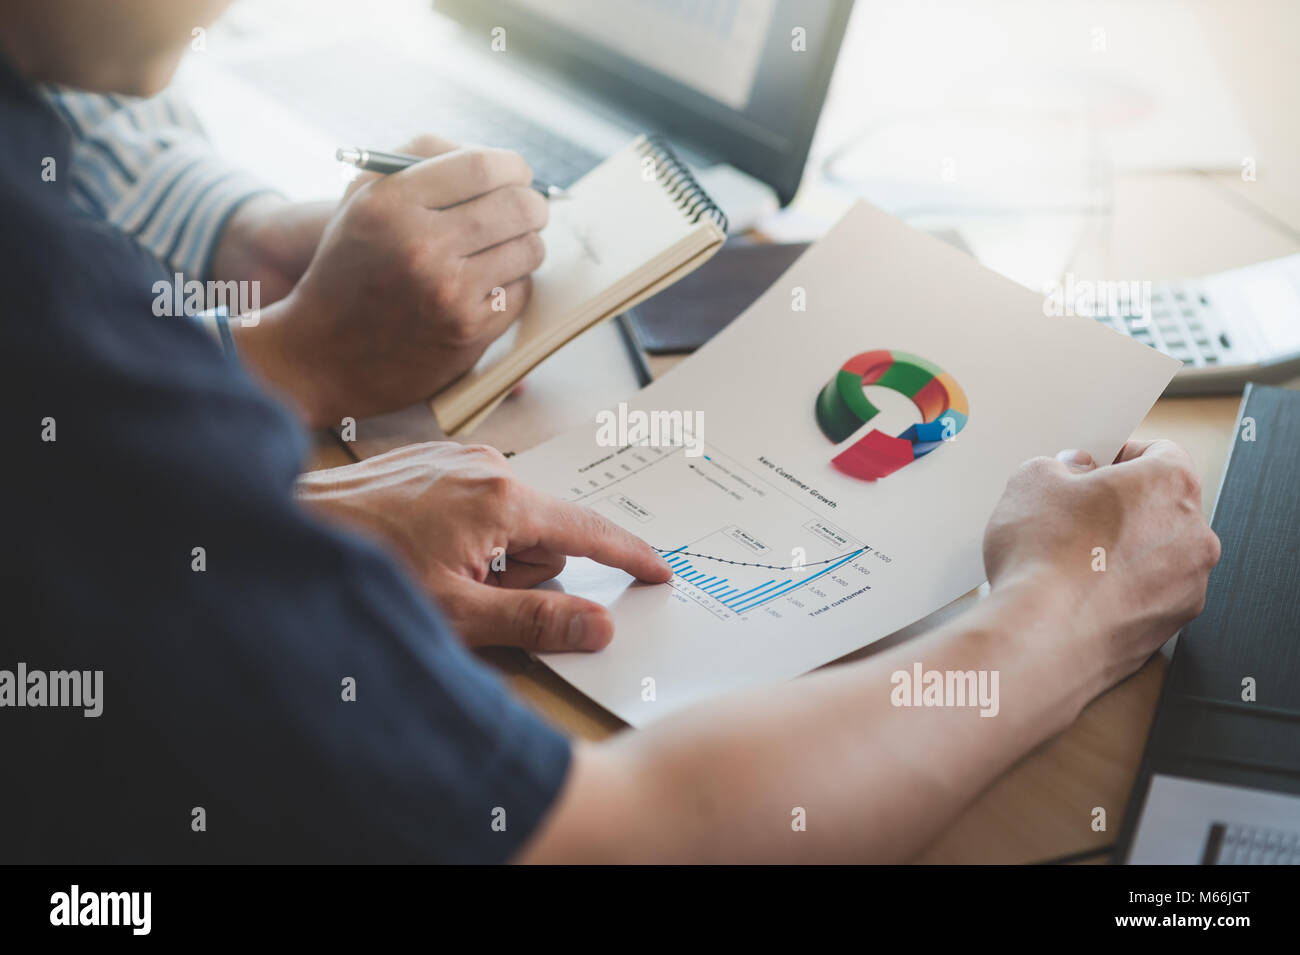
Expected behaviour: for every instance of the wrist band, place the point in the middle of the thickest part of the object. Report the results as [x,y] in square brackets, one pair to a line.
[216,322]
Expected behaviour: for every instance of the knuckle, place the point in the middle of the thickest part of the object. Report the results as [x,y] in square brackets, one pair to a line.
[424,145]
[533,620]
[478,167]
[458,323]
[517,204]
[497,488]
[478,228]
[1198,604]
[465,326]
[448,292]
[1030,472]
[529,208]
[539,210]
[597,525]
[1184,482]
[486,452]
[1037,464]
[534,250]
[594,527]
[1211,549]
[458,332]
[516,159]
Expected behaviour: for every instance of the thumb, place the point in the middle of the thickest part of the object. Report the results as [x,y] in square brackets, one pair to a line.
[1076,460]
[535,620]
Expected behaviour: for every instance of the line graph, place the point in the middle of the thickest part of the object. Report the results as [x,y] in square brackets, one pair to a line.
[740,544]
[732,597]
[664,552]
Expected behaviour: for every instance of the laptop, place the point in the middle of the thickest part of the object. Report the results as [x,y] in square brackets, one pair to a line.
[736,86]
[1219,781]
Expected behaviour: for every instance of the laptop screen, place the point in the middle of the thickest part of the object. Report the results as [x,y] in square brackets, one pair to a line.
[713,47]
[742,80]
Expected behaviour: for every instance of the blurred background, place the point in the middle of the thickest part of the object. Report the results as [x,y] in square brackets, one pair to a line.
[1051,137]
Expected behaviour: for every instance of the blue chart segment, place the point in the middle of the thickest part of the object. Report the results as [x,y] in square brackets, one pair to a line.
[738,597]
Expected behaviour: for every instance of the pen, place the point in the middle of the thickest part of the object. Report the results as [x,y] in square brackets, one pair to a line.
[373,160]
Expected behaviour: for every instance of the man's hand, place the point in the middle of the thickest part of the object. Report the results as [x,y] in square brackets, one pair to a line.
[1123,549]
[416,274]
[453,512]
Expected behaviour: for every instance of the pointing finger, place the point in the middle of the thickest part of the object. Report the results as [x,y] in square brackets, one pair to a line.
[581,532]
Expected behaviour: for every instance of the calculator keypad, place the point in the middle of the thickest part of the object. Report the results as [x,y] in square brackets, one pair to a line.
[1179,321]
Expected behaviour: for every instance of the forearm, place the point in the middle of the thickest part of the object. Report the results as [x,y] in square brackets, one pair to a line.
[271,241]
[875,781]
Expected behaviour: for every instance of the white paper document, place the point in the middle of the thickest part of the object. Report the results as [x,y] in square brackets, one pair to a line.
[846,439]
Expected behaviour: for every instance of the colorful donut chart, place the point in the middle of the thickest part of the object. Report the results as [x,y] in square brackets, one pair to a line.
[842,408]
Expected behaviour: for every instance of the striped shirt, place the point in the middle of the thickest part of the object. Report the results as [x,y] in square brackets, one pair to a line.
[147,167]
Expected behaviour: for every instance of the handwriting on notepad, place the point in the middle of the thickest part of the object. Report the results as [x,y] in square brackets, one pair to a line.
[568,219]
[582,235]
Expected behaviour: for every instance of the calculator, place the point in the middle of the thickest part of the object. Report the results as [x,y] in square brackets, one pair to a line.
[1227,329]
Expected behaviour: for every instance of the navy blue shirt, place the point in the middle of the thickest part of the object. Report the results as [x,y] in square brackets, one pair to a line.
[223,688]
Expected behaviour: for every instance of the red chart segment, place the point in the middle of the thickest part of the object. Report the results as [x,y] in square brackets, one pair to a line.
[842,408]
[875,456]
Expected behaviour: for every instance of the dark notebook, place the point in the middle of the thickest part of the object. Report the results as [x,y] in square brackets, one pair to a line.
[1250,628]
[684,316]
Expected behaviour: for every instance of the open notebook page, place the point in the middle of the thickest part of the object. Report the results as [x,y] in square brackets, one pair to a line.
[617,237]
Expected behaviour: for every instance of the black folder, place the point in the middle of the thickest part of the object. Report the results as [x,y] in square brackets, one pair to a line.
[1203,729]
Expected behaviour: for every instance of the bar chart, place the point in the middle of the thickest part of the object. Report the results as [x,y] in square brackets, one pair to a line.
[741,545]
[734,594]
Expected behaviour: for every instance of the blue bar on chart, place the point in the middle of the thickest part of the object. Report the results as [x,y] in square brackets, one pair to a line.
[782,590]
[756,594]
[734,598]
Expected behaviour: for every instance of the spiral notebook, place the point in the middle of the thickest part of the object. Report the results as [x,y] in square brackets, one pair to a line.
[631,227]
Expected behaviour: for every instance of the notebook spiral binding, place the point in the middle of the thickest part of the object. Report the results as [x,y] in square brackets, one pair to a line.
[688,194]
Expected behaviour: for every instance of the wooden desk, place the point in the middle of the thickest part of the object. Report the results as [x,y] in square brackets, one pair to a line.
[1162,226]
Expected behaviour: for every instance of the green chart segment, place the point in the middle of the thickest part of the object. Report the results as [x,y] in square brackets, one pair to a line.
[842,408]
